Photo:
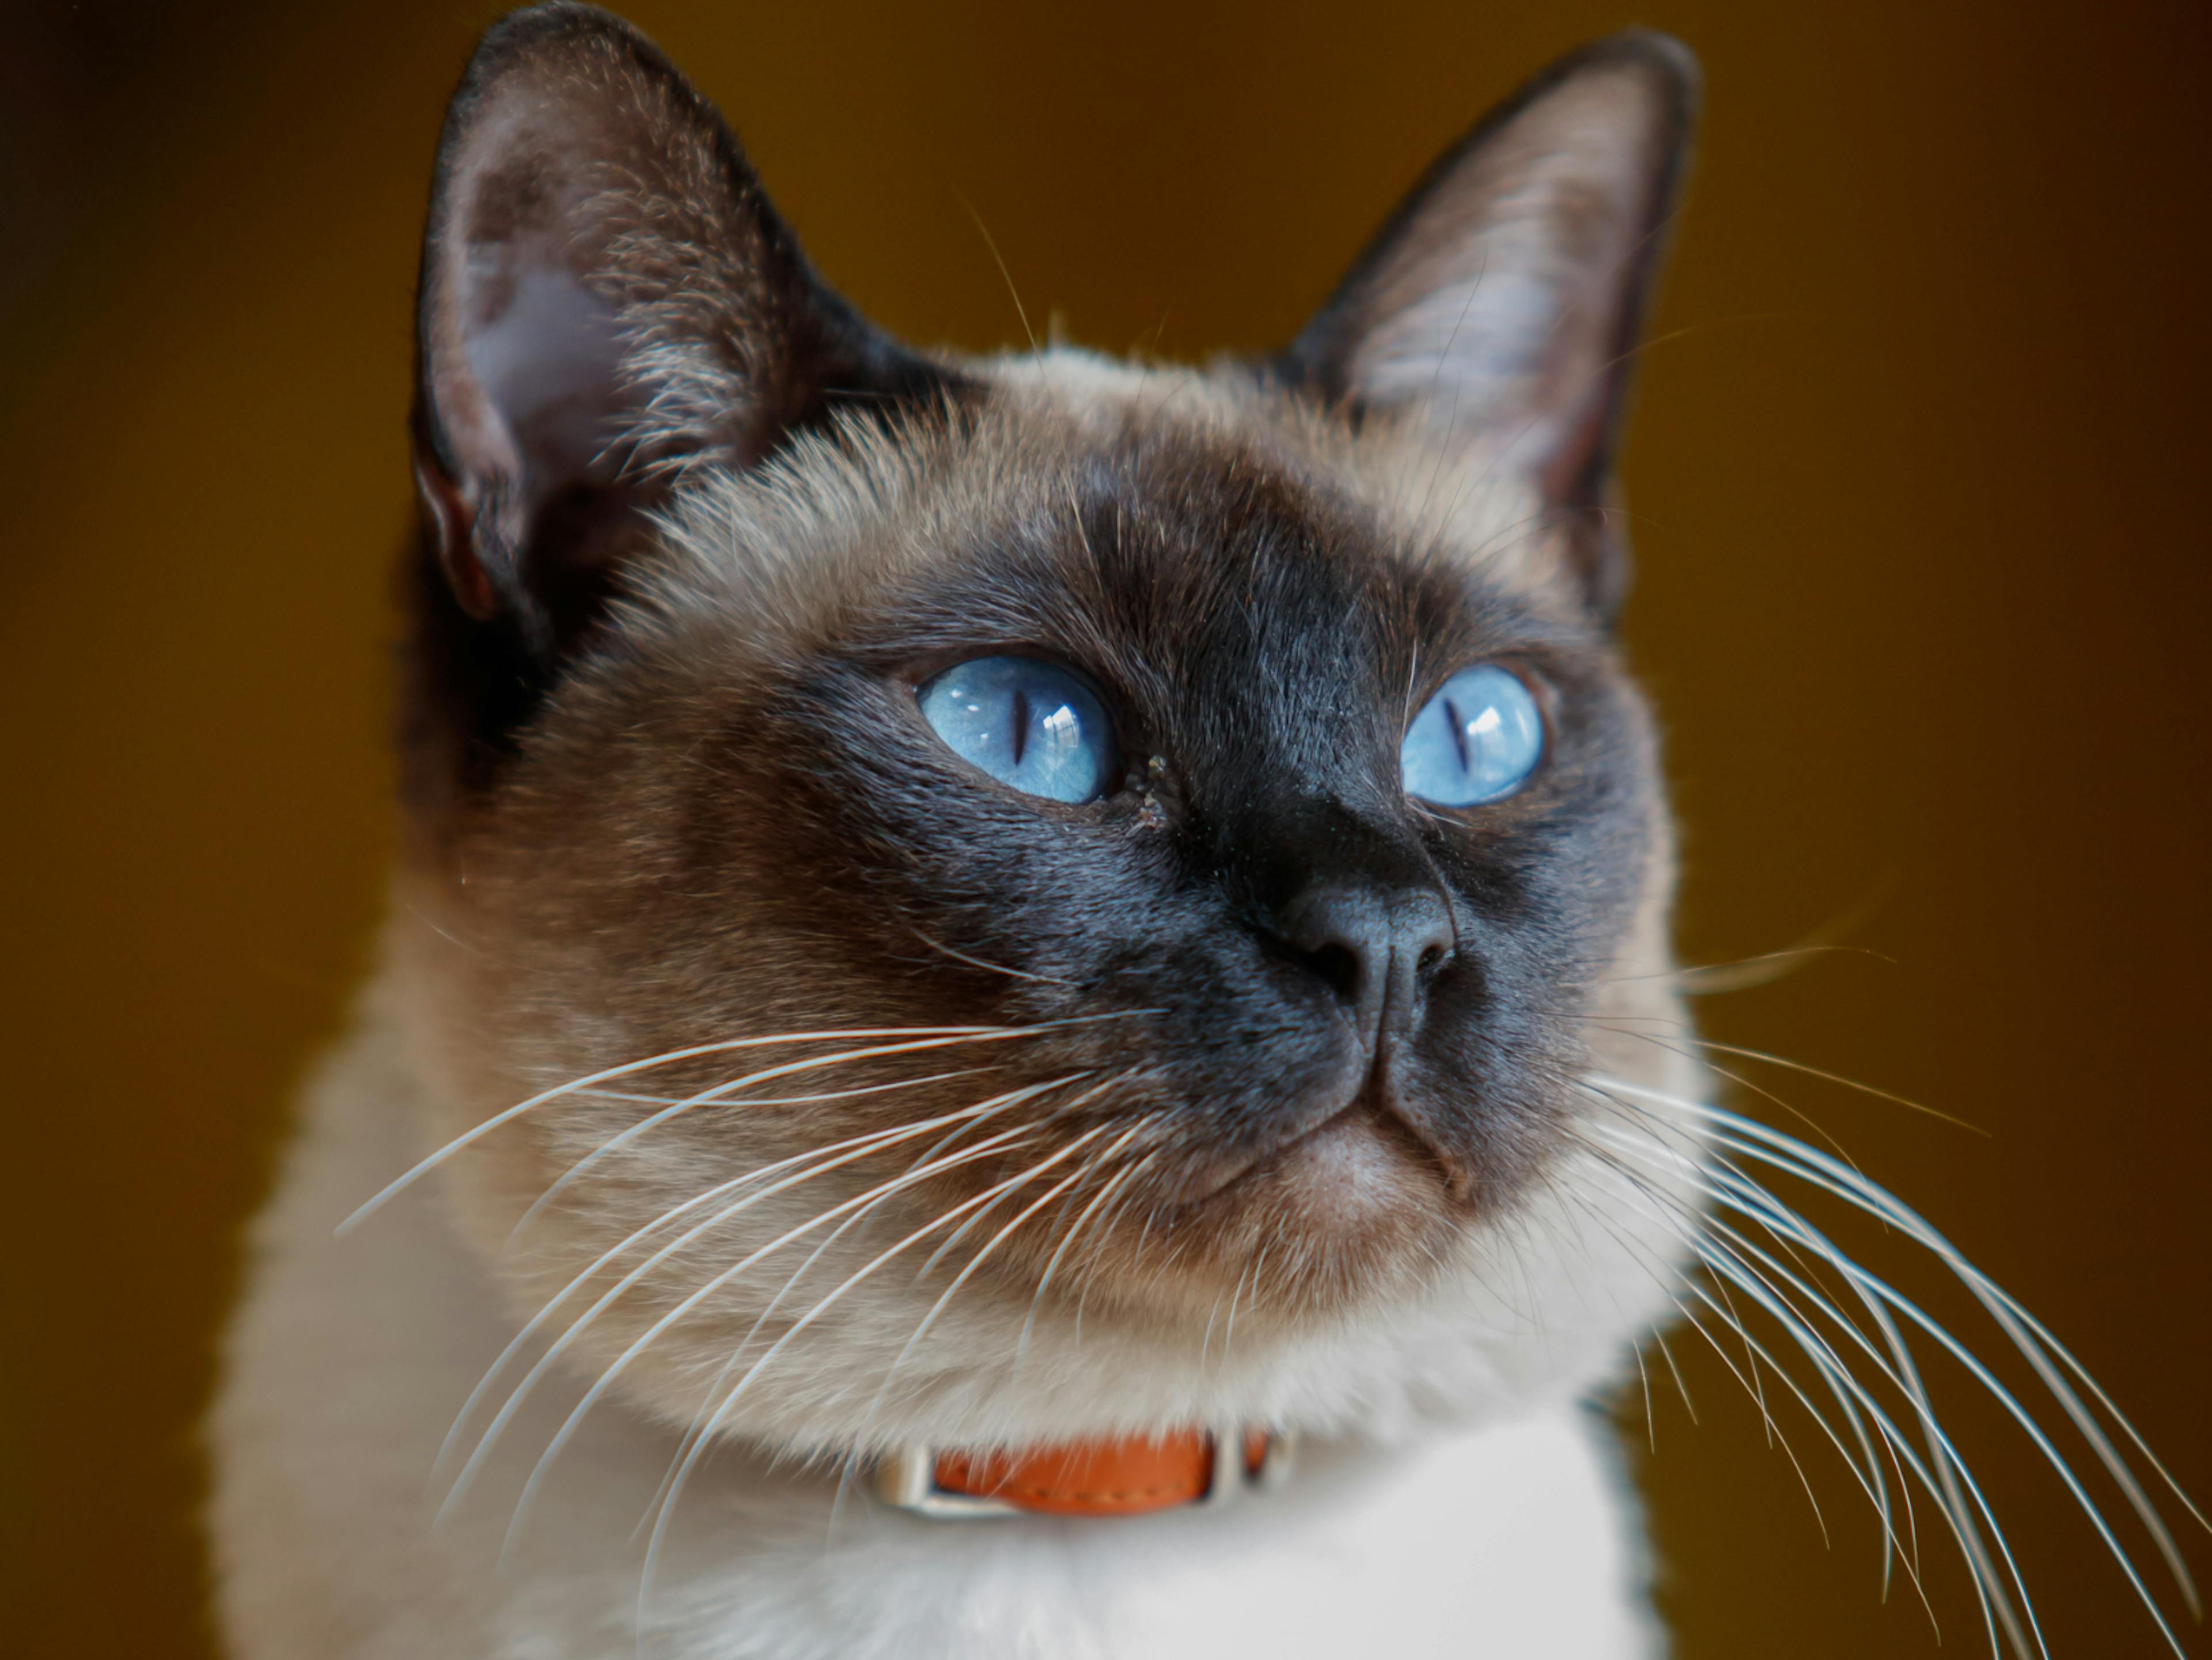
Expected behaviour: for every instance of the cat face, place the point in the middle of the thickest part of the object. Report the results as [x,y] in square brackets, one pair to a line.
[952,849]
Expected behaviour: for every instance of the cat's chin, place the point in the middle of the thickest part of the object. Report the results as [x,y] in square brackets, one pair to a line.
[1355,1209]
[1358,1173]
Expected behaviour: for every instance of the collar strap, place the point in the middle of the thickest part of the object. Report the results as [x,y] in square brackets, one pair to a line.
[1120,1475]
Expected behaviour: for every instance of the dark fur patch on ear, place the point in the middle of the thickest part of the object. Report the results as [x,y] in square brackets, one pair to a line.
[1501,302]
[467,686]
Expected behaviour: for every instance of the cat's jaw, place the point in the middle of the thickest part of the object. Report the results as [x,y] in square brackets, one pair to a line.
[1353,1174]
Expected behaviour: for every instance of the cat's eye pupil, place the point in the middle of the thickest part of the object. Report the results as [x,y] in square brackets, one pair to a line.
[1478,739]
[1032,726]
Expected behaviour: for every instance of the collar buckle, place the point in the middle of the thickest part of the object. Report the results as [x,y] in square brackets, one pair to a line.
[1126,1475]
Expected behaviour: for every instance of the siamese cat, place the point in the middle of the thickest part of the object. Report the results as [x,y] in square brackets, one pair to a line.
[1029,1009]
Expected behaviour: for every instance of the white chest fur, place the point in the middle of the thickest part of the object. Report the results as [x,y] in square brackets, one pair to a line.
[349,1356]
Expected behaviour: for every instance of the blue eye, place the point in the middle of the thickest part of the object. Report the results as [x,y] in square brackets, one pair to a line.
[1477,740]
[1028,724]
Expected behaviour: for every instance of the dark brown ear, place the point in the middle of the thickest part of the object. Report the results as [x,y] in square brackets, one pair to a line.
[607,299]
[1500,303]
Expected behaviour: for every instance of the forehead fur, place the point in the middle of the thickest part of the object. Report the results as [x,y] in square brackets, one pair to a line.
[786,542]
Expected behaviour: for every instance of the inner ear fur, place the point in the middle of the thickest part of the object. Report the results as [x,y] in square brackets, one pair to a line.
[607,298]
[1499,307]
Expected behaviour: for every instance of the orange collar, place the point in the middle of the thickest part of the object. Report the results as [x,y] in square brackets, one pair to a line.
[1122,1476]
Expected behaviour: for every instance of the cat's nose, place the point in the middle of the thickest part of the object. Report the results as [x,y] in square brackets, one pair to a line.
[1377,945]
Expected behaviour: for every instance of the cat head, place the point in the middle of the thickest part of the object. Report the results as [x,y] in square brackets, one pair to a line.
[1029,896]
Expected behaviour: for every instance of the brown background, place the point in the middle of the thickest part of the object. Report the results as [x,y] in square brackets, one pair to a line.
[1920,476]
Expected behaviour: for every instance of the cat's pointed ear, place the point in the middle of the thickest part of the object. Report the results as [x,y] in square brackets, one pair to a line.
[1499,305]
[607,298]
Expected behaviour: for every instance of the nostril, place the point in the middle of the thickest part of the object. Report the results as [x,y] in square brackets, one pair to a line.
[1340,967]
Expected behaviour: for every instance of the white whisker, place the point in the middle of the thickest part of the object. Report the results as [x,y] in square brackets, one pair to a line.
[813,1099]
[1105,1193]
[469,1138]
[676,1488]
[2028,1334]
[951,1241]
[847,1152]
[606,1378]
[738,1351]
[1726,1183]
[1990,1590]
[1946,1475]
[722,1093]
[929,1319]
[1872,1479]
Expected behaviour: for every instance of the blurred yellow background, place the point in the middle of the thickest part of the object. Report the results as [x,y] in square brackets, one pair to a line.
[1918,467]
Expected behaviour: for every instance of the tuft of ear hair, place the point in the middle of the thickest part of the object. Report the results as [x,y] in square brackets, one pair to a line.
[1499,307]
[606,298]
